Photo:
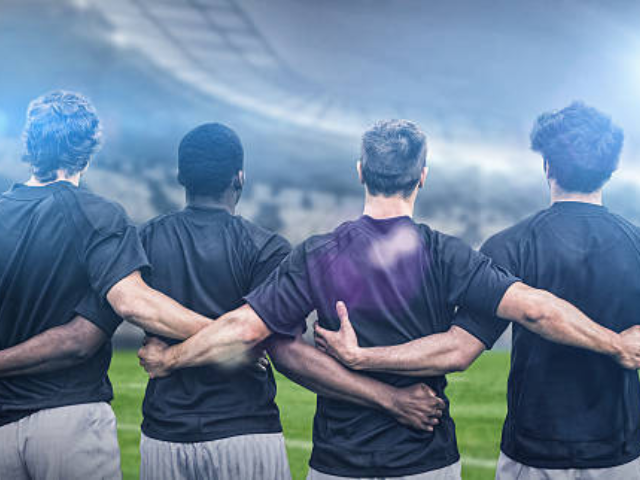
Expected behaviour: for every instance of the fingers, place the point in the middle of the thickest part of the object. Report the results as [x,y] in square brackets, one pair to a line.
[343,314]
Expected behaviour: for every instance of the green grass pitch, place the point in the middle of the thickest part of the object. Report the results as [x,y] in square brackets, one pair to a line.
[478,403]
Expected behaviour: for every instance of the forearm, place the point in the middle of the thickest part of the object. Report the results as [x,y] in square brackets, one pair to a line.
[433,355]
[557,320]
[325,376]
[153,311]
[55,349]
[225,342]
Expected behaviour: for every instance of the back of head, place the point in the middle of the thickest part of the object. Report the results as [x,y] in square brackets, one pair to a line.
[580,145]
[393,156]
[209,157]
[62,132]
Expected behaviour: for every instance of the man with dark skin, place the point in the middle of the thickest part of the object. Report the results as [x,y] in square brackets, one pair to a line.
[572,414]
[404,281]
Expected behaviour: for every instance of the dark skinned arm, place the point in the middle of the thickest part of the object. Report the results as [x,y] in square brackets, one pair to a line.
[54,349]
[416,406]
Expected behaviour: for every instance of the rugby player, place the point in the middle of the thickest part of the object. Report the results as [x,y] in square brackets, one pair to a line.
[223,422]
[403,281]
[572,413]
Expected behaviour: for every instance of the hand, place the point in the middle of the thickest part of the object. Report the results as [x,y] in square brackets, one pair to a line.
[343,344]
[630,355]
[152,357]
[417,407]
[258,359]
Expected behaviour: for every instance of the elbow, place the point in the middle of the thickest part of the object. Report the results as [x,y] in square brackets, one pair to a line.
[460,362]
[283,354]
[76,350]
[540,309]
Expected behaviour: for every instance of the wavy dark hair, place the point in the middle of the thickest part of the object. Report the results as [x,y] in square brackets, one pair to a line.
[393,156]
[62,132]
[580,145]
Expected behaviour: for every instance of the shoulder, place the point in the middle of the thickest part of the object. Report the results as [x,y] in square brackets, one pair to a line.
[158,222]
[94,211]
[258,237]
[517,233]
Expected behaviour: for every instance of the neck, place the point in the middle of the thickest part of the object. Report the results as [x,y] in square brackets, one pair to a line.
[74,179]
[559,195]
[388,207]
[222,203]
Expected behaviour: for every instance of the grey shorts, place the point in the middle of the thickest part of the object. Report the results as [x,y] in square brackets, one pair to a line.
[451,472]
[77,442]
[509,469]
[245,457]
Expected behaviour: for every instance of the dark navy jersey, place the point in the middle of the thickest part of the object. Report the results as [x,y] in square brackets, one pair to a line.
[62,248]
[208,259]
[568,407]
[400,281]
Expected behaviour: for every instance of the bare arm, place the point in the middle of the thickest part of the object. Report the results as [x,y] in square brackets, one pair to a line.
[433,355]
[227,341]
[537,310]
[54,349]
[558,321]
[416,406]
[136,302]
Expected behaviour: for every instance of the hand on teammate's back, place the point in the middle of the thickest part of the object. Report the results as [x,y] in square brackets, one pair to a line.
[342,344]
[630,356]
[418,407]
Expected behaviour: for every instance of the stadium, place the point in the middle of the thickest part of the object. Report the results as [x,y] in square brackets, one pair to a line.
[300,82]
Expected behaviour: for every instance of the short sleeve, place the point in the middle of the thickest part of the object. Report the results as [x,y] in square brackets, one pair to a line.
[269,257]
[487,327]
[472,279]
[108,242]
[284,300]
[98,311]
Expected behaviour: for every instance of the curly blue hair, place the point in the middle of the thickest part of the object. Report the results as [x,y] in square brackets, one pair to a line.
[580,145]
[62,132]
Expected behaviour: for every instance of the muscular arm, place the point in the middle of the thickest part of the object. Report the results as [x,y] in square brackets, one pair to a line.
[53,349]
[537,310]
[136,302]
[416,406]
[227,341]
[558,321]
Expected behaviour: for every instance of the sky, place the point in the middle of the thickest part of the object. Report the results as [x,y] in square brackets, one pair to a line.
[301,80]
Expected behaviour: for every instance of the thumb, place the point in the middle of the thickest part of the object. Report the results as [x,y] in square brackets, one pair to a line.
[343,314]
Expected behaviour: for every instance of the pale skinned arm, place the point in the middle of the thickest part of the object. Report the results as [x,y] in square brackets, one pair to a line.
[225,342]
[54,349]
[154,312]
[537,310]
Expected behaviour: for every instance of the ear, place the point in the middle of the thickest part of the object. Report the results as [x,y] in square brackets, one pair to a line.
[180,179]
[359,169]
[241,178]
[423,177]
[546,168]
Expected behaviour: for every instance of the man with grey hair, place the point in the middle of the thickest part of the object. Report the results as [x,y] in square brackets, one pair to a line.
[402,281]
